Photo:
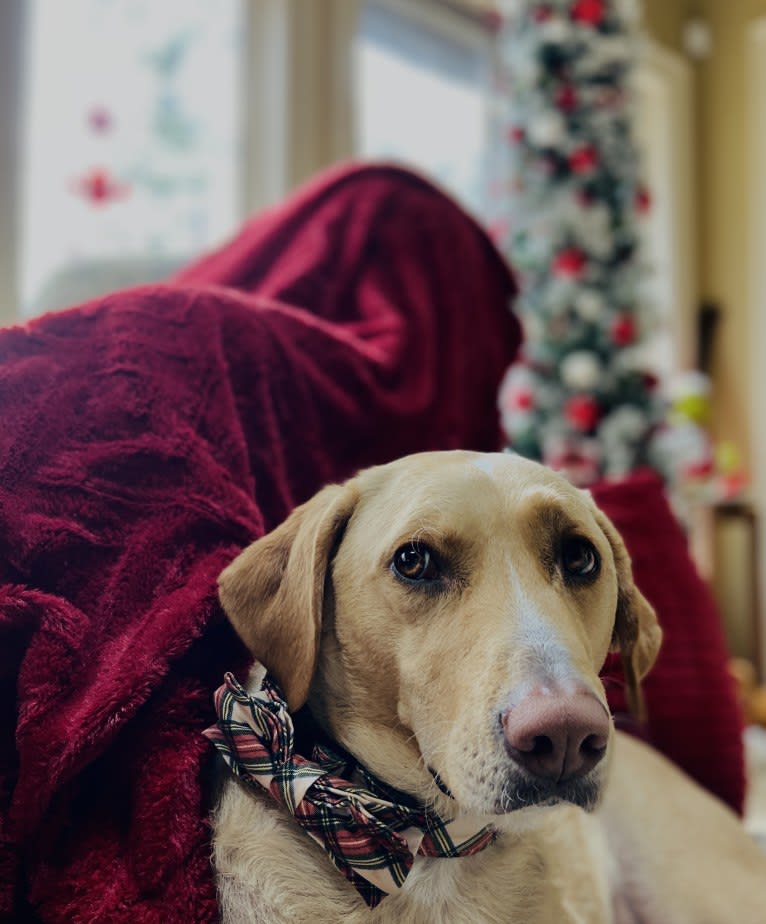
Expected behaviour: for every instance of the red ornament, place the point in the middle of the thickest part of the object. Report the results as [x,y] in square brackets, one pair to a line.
[643,200]
[99,188]
[579,463]
[582,412]
[698,471]
[623,330]
[520,398]
[566,98]
[731,485]
[516,134]
[583,159]
[649,380]
[525,401]
[569,263]
[590,12]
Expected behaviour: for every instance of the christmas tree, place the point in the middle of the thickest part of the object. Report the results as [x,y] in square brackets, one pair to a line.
[581,399]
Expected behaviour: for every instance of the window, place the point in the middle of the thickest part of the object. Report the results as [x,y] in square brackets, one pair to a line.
[129,155]
[422,79]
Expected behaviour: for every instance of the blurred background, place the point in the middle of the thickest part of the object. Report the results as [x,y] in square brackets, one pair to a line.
[137,134]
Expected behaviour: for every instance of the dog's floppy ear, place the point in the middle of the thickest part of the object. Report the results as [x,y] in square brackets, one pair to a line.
[273,591]
[637,635]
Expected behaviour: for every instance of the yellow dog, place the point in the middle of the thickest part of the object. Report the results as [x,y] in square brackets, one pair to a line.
[444,619]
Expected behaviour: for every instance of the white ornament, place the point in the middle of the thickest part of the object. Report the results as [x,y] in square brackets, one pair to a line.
[691,383]
[594,230]
[626,424]
[555,31]
[517,380]
[680,446]
[590,305]
[517,422]
[547,130]
[581,370]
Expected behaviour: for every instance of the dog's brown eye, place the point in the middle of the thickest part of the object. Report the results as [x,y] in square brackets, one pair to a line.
[415,562]
[579,558]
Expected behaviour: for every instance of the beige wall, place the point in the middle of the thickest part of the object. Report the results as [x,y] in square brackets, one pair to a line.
[723,234]
[722,193]
[663,20]
[723,256]
[729,258]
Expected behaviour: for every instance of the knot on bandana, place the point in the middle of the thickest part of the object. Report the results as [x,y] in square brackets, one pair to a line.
[370,832]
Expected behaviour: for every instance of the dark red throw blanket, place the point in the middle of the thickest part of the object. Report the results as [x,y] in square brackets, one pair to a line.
[694,716]
[147,437]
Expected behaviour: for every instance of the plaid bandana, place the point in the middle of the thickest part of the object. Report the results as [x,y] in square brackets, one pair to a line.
[371,832]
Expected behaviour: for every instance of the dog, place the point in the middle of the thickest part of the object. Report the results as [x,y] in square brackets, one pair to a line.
[442,620]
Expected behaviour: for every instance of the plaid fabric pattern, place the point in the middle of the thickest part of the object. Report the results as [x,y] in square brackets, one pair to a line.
[371,832]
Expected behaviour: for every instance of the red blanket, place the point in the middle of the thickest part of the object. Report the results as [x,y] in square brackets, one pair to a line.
[694,716]
[150,435]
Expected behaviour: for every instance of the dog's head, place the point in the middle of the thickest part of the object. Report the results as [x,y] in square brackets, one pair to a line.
[446,617]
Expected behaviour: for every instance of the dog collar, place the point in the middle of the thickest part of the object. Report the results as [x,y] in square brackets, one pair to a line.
[370,832]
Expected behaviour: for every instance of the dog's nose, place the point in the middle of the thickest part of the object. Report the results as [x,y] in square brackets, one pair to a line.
[557,736]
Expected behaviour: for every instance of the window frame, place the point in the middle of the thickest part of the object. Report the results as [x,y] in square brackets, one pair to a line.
[12,35]
[457,22]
